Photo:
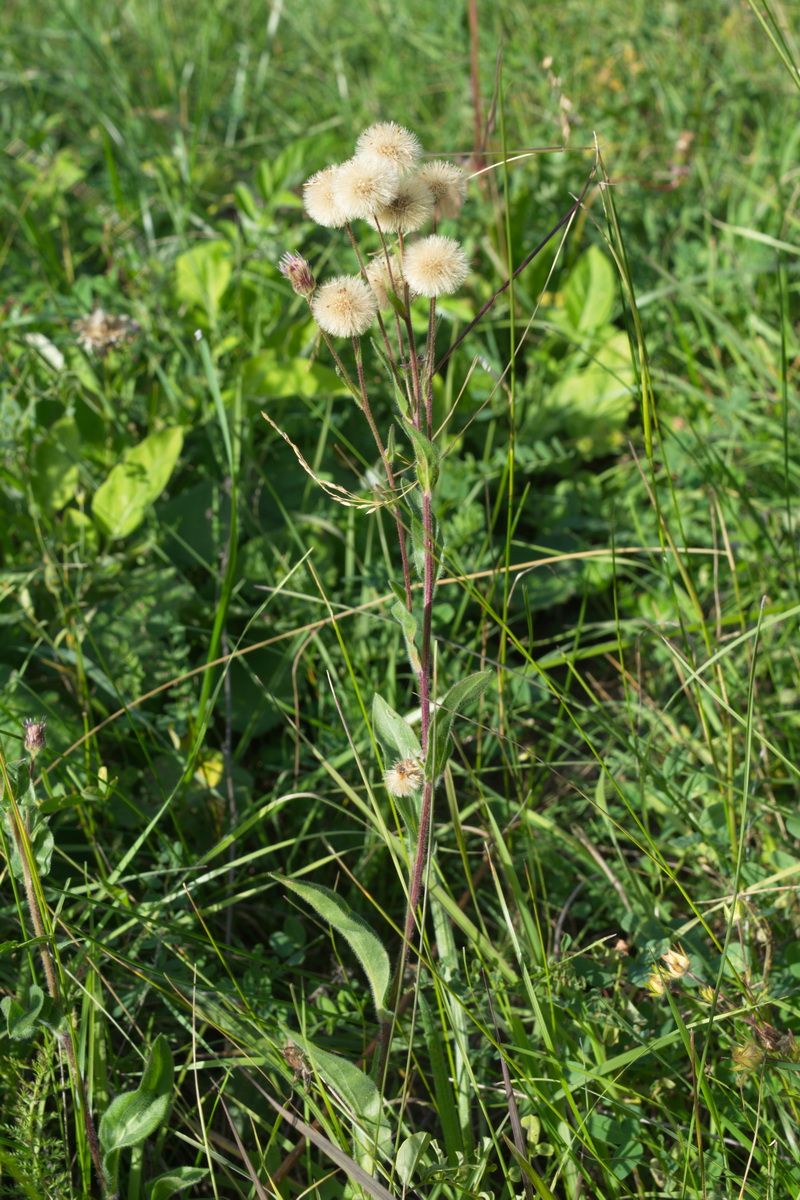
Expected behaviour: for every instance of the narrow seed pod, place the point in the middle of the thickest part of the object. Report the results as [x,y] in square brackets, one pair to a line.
[435,265]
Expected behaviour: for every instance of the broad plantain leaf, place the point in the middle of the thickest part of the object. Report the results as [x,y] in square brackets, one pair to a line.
[135,483]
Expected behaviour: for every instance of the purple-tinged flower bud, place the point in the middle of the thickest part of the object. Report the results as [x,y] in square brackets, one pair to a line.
[295,268]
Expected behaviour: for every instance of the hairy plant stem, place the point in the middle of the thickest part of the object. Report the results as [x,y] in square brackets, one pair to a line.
[65,1037]
[360,395]
[387,466]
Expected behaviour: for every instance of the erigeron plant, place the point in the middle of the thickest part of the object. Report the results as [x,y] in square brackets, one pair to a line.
[385,186]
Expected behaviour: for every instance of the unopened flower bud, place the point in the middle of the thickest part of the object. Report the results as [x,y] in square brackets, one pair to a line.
[295,268]
[656,982]
[35,739]
[676,963]
[747,1057]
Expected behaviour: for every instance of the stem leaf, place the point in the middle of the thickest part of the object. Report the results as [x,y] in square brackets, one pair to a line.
[427,457]
[459,695]
[393,732]
[408,623]
[171,1182]
[362,940]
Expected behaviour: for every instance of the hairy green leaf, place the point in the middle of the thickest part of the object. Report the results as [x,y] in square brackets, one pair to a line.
[363,941]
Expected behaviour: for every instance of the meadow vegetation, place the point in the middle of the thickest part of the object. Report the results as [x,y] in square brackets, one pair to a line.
[214,938]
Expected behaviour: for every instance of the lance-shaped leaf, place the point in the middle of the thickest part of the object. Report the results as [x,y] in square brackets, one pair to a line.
[427,458]
[172,1182]
[357,1090]
[459,695]
[408,623]
[134,1116]
[393,732]
[363,941]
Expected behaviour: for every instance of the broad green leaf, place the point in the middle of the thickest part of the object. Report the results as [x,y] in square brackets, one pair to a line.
[393,732]
[411,1152]
[268,375]
[39,836]
[363,941]
[172,1182]
[202,275]
[134,1116]
[427,457]
[590,291]
[54,474]
[21,1023]
[455,700]
[135,483]
[592,404]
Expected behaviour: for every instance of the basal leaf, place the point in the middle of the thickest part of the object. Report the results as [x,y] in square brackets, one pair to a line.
[202,274]
[135,483]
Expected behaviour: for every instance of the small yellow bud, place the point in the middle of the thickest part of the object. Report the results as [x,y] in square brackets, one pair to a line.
[747,1057]
[656,983]
[676,962]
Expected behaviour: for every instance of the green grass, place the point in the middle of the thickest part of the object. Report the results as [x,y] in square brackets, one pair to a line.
[618,493]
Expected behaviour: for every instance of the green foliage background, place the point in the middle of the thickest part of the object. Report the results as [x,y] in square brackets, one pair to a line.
[631,769]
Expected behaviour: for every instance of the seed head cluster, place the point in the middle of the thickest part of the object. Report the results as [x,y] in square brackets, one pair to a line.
[386,184]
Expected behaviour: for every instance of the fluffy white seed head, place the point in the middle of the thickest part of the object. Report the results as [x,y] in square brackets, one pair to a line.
[379,279]
[344,306]
[319,201]
[392,144]
[448,185]
[362,186]
[409,208]
[405,777]
[435,265]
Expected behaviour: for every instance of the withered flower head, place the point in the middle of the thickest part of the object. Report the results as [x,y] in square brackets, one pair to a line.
[344,306]
[447,184]
[435,265]
[656,982]
[390,143]
[404,777]
[100,331]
